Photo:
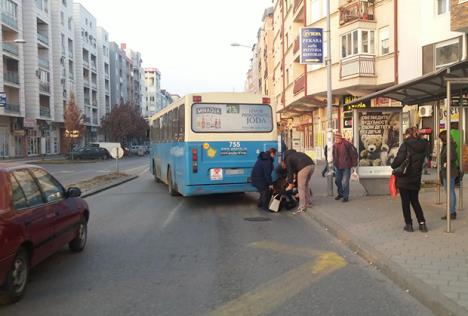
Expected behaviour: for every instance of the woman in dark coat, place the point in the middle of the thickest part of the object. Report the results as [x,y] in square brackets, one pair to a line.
[453,171]
[261,176]
[409,185]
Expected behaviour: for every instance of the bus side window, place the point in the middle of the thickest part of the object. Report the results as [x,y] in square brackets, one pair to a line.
[156,130]
[175,125]
[181,123]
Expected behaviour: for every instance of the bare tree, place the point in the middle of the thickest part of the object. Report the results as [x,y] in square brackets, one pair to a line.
[73,121]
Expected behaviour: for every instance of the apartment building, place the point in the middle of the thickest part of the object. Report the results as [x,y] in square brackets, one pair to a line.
[12,131]
[135,71]
[104,84]
[118,75]
[62,45]
[153,91]
[42,135]
[86,71]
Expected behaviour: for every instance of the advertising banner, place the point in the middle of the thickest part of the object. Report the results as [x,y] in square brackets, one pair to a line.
[311,45]
[379,138]
[231,118]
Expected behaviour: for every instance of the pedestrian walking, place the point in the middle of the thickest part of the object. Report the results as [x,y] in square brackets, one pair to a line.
[344,158]
[261,177]
[454,170]
[303,167]
[413,150]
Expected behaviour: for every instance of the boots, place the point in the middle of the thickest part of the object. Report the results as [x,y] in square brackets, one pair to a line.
[408,228]
[422,227]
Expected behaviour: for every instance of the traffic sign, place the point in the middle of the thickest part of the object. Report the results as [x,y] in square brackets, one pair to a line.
[116,152]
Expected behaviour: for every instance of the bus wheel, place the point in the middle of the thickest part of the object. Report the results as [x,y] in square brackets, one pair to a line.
[155,174]
[170,185]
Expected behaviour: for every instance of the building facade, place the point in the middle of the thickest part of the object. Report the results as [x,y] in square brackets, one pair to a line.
[153,91]
[118,75]
[104,84]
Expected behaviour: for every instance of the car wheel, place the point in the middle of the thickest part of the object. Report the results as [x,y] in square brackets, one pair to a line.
[78,244]
[170,185]
[17,278]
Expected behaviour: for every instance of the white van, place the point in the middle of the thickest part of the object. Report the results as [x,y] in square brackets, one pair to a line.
[108,146]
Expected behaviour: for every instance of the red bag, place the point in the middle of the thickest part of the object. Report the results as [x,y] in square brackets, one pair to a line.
[392,186]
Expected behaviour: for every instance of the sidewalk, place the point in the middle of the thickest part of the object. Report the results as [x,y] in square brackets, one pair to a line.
[432,266]
[31,159]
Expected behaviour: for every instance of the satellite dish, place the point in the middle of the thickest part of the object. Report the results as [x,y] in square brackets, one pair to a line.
[116,152]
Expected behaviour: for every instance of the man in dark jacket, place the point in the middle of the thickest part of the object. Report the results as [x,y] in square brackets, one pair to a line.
[302,166]
[261,176]
[344,158]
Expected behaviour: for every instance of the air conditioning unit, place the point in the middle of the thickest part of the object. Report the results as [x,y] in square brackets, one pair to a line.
[425,111]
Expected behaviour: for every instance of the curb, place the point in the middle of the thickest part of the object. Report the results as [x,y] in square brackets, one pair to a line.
[438,303]
[108,186]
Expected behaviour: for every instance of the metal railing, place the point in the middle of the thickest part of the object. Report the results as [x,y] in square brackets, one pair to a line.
[11,76]
[15,108]
[44,63]
[9,20]
[356,10]
[360,66]
[44,111]
[43,38]
[44,87]
[86,63]
[11,48]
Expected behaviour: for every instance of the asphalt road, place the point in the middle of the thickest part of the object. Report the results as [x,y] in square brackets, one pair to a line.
[74,172]
[152,254]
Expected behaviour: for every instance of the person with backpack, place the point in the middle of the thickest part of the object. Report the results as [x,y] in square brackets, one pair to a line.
[454,171]
[261,177]
[345,157]
[408,167]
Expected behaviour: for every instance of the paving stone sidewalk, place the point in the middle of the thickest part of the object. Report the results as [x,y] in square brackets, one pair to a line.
[437,259]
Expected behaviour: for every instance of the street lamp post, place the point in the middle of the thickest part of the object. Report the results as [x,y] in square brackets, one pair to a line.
[329,106]
[241,45]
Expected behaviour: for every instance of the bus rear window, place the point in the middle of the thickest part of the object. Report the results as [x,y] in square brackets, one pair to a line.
[231,118]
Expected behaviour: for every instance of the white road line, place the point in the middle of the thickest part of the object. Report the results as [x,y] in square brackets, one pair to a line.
[172,214]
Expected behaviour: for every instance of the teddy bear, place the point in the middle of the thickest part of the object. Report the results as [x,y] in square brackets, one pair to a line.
[374,150]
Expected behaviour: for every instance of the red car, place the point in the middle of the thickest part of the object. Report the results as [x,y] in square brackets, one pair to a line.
[37,218]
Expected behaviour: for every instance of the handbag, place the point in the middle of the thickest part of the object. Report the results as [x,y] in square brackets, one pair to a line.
[392,186]
[402,169]
[275,202]
[355,176]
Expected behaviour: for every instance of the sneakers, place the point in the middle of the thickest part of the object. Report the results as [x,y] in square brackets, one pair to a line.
[338,197]
[422,227]
[452,216]
[408,228]
[299,210]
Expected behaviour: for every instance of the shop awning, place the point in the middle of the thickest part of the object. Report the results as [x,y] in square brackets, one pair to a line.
[427,88]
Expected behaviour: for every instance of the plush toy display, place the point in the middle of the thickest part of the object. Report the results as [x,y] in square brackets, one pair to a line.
[374,151]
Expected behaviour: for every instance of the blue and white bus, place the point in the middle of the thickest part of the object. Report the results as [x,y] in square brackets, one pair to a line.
[208,143]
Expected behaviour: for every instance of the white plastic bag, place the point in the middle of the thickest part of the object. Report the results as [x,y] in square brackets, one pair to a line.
[275,201]
[355,176]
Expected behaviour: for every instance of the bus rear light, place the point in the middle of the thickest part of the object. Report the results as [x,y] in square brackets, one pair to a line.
[266,100]
[194,160]
[197,98]
[194,154]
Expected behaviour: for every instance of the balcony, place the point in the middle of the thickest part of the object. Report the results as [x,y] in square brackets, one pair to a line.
[44,87]
[70,76]
[86,101]
[9,20]
[296,45]
[86,82]
[43,63]
[357,66]
[86,63]
[44,111]
[459,17]
[93,66]
[11,48]
[94,85]
[12,108]
[11,77]
[298,11]
[299,84]
[357,10]
[86,119]
[44,39]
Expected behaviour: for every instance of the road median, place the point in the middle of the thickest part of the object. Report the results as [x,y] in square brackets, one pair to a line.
[101,183]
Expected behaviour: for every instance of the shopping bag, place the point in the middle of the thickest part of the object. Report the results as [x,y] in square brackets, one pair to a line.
[392,186]
[275,201]
[355,176]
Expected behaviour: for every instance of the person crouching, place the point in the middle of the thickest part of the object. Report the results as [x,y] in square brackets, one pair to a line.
[261,177]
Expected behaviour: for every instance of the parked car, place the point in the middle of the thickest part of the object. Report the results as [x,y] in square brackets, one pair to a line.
[91,153]
[38,216]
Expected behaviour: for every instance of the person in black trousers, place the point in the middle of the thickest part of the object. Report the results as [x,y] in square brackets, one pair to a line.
[261,177]
[413,148]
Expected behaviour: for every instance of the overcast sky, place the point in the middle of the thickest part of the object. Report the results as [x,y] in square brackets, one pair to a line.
[187,40]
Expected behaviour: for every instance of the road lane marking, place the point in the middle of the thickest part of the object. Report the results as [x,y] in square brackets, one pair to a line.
[267,297]
[172,214]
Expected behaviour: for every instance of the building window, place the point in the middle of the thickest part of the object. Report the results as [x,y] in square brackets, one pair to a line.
[447,53]
[443,6]
[384,41]
[357,42]
[318,10]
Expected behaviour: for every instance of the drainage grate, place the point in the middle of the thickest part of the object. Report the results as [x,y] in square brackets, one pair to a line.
[257,219]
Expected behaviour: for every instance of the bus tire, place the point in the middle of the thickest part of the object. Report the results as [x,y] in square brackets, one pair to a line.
[170,185]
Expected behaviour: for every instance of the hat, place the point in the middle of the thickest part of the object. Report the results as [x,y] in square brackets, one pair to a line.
[338,134]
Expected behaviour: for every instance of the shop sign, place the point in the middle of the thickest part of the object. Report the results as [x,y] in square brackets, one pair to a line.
[361,105]
[311,45]
[19,132]
[29,123]
[3,99]
[348,122]
[456,101]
